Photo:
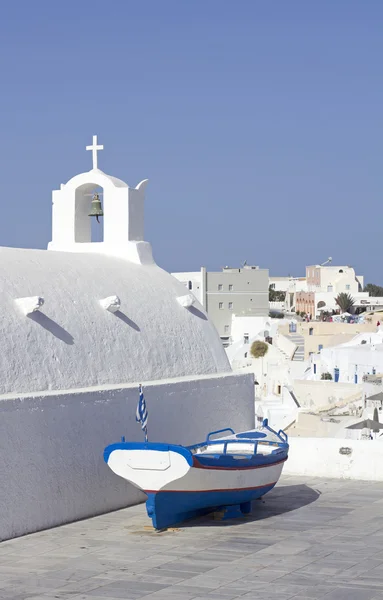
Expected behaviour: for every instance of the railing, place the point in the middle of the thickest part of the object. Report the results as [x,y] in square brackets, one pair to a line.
[277,305]
[248,441]
[225,444]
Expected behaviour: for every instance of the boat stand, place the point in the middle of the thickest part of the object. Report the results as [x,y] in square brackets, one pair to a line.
[233,511]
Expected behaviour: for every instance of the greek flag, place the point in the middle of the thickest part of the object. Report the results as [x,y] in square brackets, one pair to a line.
[142,413]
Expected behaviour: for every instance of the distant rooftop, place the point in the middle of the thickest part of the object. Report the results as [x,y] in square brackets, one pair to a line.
[238,269]
[288,277]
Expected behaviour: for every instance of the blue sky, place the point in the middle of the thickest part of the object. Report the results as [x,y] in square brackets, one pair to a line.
[258,124]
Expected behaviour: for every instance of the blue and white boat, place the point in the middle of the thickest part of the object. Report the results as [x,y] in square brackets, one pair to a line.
[187,481]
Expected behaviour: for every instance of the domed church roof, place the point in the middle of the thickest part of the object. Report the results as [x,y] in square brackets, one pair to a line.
[89,314]
[73,341]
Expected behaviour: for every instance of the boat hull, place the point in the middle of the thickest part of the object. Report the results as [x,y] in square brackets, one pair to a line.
[167,508]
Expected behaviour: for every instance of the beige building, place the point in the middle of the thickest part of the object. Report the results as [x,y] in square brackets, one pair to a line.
[324,283]
[318,335]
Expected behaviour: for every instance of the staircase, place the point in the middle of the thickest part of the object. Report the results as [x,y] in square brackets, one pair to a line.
[298,340]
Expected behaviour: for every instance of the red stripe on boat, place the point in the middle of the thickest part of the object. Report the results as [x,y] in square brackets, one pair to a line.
[257,487]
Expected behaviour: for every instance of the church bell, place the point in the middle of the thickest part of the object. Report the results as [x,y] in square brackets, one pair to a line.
[96,208]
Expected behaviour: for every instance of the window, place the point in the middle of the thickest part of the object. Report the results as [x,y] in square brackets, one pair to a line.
[220,287]
[245,338]
[329,288]
[311,331]
[226,328]
[245,354]
[230,287]
[220,305]
[320,347]
[272,286]
[347,287]
[315,369]
[230,306]
[190,285]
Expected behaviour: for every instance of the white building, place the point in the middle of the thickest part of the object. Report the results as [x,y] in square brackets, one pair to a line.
[280,284]
[352,361]
[82,325]
[369,304]
[324,283]
[334,279]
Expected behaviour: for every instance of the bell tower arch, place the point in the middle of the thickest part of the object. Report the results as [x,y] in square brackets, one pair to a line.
[123,209]
[83,206]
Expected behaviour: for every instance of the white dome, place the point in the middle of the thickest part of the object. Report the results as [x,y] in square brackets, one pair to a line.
[73,341]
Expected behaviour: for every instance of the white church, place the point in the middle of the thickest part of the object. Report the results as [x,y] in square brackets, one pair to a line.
[82,324]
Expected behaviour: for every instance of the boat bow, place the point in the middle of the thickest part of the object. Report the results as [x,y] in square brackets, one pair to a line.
[148,466]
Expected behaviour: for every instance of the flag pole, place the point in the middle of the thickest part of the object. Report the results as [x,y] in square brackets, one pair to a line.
[142,413]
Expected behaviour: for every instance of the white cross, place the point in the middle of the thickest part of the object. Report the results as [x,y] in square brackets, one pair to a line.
[94,149]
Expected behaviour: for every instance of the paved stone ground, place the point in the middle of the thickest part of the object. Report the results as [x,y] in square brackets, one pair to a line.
[309,538]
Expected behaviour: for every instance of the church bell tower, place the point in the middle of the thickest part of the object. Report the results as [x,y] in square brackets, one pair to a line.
[122,211]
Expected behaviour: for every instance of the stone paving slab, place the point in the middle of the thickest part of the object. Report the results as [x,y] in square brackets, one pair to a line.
[309,538]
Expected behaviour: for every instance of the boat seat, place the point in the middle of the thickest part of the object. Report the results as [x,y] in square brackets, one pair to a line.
[230,454]
[233,460]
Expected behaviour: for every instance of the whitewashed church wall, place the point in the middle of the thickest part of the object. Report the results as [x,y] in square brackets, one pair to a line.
[51,445]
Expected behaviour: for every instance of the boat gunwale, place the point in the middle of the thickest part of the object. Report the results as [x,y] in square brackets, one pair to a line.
[193,458]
